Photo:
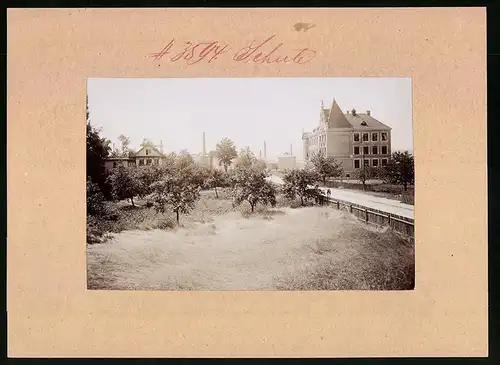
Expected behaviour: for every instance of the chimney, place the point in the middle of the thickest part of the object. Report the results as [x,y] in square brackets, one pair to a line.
[161,146]
[204,146]
[291,150]
[265,150]
[368,112]
[322,105]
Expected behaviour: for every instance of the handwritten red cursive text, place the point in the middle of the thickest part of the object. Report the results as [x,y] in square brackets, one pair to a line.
[256,53]
[193,53]
[263,52]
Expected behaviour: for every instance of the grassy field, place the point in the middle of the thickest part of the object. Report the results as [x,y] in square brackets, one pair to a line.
[218,247]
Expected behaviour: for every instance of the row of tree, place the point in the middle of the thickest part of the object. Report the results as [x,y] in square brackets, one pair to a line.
[176,184]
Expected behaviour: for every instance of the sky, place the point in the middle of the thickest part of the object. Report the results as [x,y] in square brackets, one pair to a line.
[249,111]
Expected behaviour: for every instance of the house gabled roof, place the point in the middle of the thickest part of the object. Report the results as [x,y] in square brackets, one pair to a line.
[148,146]
[337,119]
[371,123]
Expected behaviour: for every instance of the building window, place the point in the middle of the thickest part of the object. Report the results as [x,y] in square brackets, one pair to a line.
[384,162]
[374,150]
[366,150]
[155,161]
[115,164]
[383,136]
[374,137]
[384,150]
[375,162]
[348,175]
[366,137]
[147,152]
[356,150]
[366,162]
[148,161]
[131,163]
[356,164]
[356,137]
[141,162]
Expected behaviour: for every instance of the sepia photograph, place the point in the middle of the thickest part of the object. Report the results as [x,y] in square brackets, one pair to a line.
[250,184]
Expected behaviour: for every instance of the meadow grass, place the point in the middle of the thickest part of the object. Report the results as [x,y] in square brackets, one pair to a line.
[221,247]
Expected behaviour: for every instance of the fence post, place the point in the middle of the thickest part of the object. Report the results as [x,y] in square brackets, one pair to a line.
[389,216]
[366,212]
[338,205]
[350,208]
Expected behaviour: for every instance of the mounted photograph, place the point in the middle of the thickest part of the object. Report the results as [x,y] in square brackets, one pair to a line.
[250,184]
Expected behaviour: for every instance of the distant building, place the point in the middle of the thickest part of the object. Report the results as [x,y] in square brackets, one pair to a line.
[354,139]
[286,161]
[148,154]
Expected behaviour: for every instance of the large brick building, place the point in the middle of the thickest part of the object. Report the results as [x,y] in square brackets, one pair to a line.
[354,139]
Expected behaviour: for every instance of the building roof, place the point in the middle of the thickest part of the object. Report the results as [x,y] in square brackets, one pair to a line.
[337,119]
[117,158]
[151,147]
[371,123]
[326,112]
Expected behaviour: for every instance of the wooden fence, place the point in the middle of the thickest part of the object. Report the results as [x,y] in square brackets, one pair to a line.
[403,225]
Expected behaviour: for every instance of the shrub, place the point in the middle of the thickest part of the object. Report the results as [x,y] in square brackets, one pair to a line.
[408,197]
[95,200]
[164,223]
[95,230]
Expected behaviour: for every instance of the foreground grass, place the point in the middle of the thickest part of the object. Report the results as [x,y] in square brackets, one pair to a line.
[219,247]
[358,258]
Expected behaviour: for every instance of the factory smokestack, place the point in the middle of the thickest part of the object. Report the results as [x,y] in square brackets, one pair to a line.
[260,153]
[265,150]
[204,145]
[291,150]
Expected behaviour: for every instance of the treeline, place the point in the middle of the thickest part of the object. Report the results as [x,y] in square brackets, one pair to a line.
[177,182]
[175,185]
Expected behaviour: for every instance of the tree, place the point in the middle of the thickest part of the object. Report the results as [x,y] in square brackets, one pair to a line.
[261,164]
[146,176]
[175,191]
[95,200]
[146,142]
[125,142]
[252,186]
[115,152]
[184,160]
[364,174]
[326,166]
[226,153]
[400,169]
[246,158]
[216,178]
[98,150]
[298,182]
[124,183]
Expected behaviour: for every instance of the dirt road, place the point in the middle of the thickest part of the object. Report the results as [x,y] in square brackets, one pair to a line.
[386,205]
